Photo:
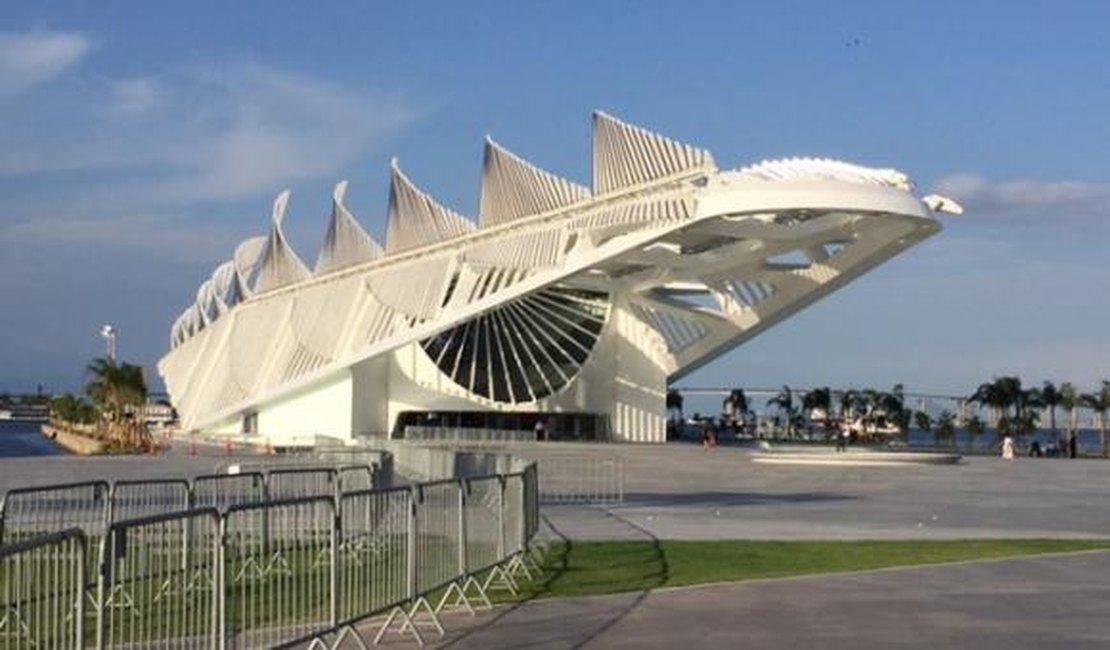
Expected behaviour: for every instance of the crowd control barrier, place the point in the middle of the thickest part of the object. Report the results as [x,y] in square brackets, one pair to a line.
[290,557]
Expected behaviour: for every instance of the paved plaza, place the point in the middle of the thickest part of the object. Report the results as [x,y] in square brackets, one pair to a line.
[685,492]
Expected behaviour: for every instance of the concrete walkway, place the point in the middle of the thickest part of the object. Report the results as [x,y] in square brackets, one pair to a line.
[1042,602]
[688,493]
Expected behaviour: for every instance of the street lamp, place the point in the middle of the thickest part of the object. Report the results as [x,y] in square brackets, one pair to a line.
[109,334]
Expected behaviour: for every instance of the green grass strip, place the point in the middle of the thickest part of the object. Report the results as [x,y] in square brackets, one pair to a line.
[591,568]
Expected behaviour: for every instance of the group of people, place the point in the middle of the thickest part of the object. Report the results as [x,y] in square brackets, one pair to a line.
[1070,446]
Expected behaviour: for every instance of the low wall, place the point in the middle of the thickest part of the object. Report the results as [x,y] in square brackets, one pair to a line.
[74,443]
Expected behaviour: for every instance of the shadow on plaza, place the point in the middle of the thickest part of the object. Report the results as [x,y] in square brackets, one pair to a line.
[654,572]
[730,498]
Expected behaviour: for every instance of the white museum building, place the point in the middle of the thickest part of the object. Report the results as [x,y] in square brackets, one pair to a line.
[569,304]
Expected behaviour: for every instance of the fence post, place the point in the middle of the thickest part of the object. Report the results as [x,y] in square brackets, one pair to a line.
[464,489]
[500,517]
[522,540]
[220,584]
[187,537]
[266,515]
[109,498]
[102,588]
[333,569]
[415,495]
[79,606]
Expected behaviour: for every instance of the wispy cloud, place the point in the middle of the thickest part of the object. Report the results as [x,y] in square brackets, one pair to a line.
[27,59]
[207,135]
[1027,199]
[273,128]
[159,235]
[135,97]
[166,145]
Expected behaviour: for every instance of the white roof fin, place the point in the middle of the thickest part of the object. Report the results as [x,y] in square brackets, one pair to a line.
[627,155]
[513,188]
[346,243]
[278,263]
[415,219]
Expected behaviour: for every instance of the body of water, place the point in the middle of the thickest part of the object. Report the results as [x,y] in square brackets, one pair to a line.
[1088,442]
[23,439]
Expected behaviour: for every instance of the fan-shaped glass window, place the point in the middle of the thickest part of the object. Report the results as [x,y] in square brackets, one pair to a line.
[524,350]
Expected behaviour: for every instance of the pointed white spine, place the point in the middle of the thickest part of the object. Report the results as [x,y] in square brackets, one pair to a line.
[627,155]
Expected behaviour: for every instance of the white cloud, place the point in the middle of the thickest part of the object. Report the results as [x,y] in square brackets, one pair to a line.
[1027,199]
[135,97]
[131,151]
[274,129]
[36,57]
[159,235]
[205,136]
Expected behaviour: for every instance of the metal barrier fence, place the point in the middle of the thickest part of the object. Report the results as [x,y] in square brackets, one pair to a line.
[27,512]
[158,584]
[42,591]
[468,435]
[93,506]
[278,572]
[581,479]
[303,570]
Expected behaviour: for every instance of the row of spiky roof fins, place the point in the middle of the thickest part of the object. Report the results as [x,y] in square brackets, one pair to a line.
[512,189]
[624,156]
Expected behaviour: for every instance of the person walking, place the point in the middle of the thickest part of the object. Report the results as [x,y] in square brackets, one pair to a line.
[1008,448]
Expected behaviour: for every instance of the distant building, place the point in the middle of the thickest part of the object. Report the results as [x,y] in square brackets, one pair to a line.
[561,299]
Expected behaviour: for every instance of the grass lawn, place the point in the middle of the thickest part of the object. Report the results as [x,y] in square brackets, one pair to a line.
[588,568]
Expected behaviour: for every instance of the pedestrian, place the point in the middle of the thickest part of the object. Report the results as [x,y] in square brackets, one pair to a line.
[1073,444]
[541,431]
[842,439]
[1008,448]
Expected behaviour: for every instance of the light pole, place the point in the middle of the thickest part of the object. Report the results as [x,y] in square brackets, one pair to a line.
[109,334]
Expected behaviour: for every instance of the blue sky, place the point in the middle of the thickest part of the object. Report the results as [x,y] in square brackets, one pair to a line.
[141,141]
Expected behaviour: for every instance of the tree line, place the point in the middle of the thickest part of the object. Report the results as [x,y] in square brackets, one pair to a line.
[1013,409]
[111,407]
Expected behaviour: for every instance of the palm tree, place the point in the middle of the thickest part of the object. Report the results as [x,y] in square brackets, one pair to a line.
[945,427]
[997,396]
[923,421]
[1069,399]
[117,390]
[1099,403]
[674,403]
[735,406]
[975,429]
[818,399]
[784,403]
[893,404]
[848,401]
[1050,399]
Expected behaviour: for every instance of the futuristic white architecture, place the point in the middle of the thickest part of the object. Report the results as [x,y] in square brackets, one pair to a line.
[560,299]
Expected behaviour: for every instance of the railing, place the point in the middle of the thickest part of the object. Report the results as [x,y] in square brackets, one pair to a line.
[581,479]
[92,506]
[466,435]
[310,570]
[42,588]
